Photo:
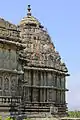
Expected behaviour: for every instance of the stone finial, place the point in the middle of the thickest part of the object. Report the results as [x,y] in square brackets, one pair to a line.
[29,11]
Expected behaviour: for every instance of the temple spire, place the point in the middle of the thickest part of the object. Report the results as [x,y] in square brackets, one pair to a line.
[29,11]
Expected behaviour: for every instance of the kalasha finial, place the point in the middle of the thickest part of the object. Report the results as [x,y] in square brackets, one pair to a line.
[29,11]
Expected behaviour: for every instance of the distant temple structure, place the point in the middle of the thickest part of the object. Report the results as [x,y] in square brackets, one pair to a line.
[32,75]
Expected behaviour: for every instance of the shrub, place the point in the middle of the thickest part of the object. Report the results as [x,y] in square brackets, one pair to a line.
[0,118]
[27,119]
[8,118]
[74,114]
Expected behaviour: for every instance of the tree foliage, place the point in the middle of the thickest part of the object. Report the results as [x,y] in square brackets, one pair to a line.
[75,114]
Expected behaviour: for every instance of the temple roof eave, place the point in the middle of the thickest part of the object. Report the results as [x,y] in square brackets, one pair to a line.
[7,25]
[17,44]
[46,69]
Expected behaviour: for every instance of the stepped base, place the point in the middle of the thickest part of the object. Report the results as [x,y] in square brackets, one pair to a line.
[32,111]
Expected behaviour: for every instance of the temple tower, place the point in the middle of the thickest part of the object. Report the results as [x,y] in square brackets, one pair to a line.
[31,70]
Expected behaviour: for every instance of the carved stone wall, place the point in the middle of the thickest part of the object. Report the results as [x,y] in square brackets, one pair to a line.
[8,57]
[27,77]
[14,85]
[29,64]
[1,85]
[8,84]
[40,50]
[42,79]
[8,30]
[35,95]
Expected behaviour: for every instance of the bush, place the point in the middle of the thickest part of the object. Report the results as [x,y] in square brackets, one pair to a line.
[8,118]
[74,114]
[0,118]
[27,119]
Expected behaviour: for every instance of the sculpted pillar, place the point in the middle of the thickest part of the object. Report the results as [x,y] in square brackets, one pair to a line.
[41,90]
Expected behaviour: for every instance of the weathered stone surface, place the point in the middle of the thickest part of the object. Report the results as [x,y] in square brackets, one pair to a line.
[7,25]
[8,30]
[30,67]
[39,50]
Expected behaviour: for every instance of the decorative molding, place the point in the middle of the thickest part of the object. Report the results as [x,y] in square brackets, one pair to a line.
[46,87]
[11,71]
[45,69]
[5,41]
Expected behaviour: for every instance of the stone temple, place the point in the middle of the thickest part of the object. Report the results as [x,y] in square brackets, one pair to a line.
[32,74]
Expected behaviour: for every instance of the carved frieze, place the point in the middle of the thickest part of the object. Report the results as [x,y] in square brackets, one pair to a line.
[6,82]
[27,94]
[50,95]
[1,85]
[41,52]
[6,33]
[8,30]
[49,79]
[7,25]
[13,83]
[8,58]
[35,95]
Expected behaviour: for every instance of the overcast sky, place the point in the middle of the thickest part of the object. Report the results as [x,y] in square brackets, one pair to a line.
[62,19]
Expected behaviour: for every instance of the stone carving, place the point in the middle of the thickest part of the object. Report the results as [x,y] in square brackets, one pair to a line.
[6,24]
[13,83]
[1,83]
[43,45]
[30,65]
[6,86]
[9,34]
[6,83]
[35,95]
[50,95]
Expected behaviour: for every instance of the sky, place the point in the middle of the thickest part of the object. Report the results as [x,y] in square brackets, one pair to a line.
[62,20]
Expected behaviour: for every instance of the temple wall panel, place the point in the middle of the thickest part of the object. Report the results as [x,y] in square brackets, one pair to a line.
[1,85]
[1,56]
[8,84]
[63,82]
[8,57]
[50,95]
[42,79]
[53,79]
[36,78]
[13,84]
[6,33]
[43,95]
[27,77]
[27,94]
[58,96]
[35,95]
[53,95]
[50,79]
[13,59]
[62,97]
[58,81]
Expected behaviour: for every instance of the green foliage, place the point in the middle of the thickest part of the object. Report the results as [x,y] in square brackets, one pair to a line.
[0,118]
[8,118]
[74,114]
[27,119]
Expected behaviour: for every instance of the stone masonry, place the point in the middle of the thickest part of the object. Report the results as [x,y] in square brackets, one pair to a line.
[32,74]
